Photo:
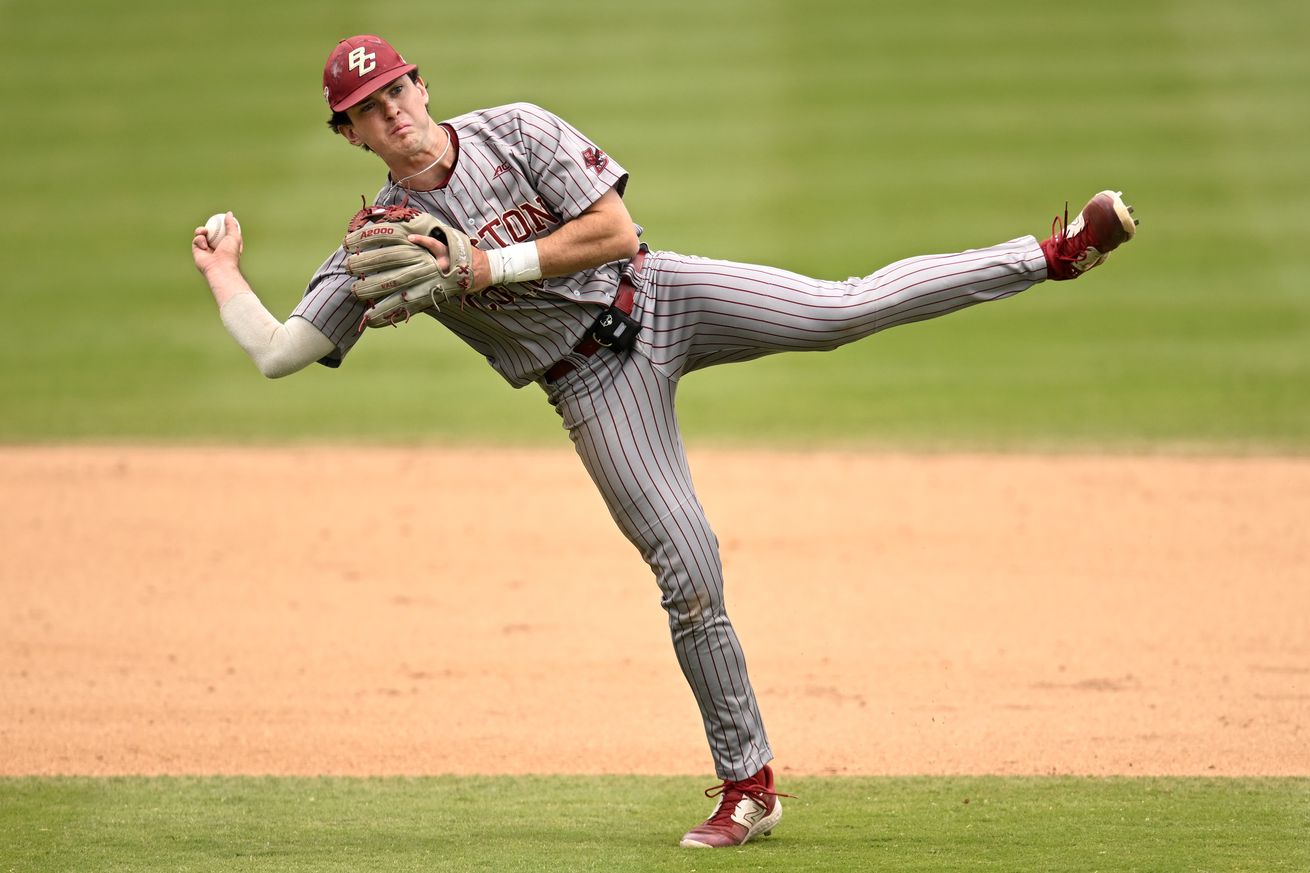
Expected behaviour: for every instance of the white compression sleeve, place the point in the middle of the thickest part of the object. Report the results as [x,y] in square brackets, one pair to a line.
[277,349]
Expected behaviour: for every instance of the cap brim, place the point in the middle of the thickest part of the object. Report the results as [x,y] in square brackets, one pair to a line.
[376,82]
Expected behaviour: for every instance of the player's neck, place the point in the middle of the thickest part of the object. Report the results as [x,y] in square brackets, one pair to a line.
[428,168]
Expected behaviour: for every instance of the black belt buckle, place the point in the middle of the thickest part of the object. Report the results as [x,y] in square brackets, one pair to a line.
[616,330]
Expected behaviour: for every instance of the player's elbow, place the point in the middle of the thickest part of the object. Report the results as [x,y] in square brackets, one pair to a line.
[289,348]
[610,227]
[625,243]
[277,363]
[274,372]
[278,368]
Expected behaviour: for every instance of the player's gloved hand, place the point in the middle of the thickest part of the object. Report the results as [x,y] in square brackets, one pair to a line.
[401,279]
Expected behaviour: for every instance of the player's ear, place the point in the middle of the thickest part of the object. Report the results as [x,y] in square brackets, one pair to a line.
[348,131]
[423,89]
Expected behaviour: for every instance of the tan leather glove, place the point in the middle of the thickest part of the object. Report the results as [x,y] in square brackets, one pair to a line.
[399,278]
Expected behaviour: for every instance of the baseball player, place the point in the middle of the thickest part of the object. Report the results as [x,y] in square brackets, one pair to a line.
[508,226]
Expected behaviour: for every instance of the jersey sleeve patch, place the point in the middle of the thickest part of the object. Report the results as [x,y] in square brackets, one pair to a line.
[595,159]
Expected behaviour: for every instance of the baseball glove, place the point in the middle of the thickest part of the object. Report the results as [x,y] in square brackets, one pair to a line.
[399,278]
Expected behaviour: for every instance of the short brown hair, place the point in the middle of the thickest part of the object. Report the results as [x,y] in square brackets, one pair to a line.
[340,118]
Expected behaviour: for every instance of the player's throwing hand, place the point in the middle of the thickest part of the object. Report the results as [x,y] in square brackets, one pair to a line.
[226,251]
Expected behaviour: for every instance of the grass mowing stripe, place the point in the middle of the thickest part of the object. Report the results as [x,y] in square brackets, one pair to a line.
[633,823]
[828,137]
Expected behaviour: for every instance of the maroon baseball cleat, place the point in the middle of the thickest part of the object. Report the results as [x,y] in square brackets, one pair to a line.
[1105,223]
[745,809]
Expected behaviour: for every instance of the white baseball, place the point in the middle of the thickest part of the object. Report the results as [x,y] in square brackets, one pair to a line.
[215,229]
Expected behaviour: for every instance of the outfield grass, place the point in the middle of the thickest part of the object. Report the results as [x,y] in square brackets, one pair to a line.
[621,824]
[828,137]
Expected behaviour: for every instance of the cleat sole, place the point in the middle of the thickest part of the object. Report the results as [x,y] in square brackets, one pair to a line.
[1124,212]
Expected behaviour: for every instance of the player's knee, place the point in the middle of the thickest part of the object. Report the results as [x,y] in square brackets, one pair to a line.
[692,609]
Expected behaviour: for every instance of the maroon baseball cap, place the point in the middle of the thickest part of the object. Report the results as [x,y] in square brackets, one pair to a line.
[359,66]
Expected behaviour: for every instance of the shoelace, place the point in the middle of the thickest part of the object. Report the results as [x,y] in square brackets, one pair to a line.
[1058,231]
[750,789]
[1058,227]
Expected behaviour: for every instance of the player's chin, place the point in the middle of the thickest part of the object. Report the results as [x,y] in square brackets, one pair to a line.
[411,141]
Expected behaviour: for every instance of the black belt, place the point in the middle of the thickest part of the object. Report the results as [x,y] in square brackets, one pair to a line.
[589,345]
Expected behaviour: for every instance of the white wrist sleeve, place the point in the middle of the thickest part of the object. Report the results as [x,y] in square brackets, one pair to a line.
[277,349]
[517,263]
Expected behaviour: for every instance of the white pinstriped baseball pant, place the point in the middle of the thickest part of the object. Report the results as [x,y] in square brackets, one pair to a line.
[619,411]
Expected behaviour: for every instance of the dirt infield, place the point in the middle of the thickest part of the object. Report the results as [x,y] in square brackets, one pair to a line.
[409,611]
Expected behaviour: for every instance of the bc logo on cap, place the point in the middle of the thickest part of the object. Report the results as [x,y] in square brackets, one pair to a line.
[363,61]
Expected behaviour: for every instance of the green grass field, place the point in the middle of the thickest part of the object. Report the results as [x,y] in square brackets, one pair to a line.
[828,137]
[632,824]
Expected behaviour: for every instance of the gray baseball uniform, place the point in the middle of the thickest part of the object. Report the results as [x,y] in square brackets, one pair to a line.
[520,172]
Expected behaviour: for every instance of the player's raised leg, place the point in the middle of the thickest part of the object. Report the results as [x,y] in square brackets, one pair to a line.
[711,312]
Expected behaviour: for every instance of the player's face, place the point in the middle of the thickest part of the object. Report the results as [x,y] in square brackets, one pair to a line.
[393,120]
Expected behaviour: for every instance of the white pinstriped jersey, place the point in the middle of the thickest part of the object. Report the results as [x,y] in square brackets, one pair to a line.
[520,172]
